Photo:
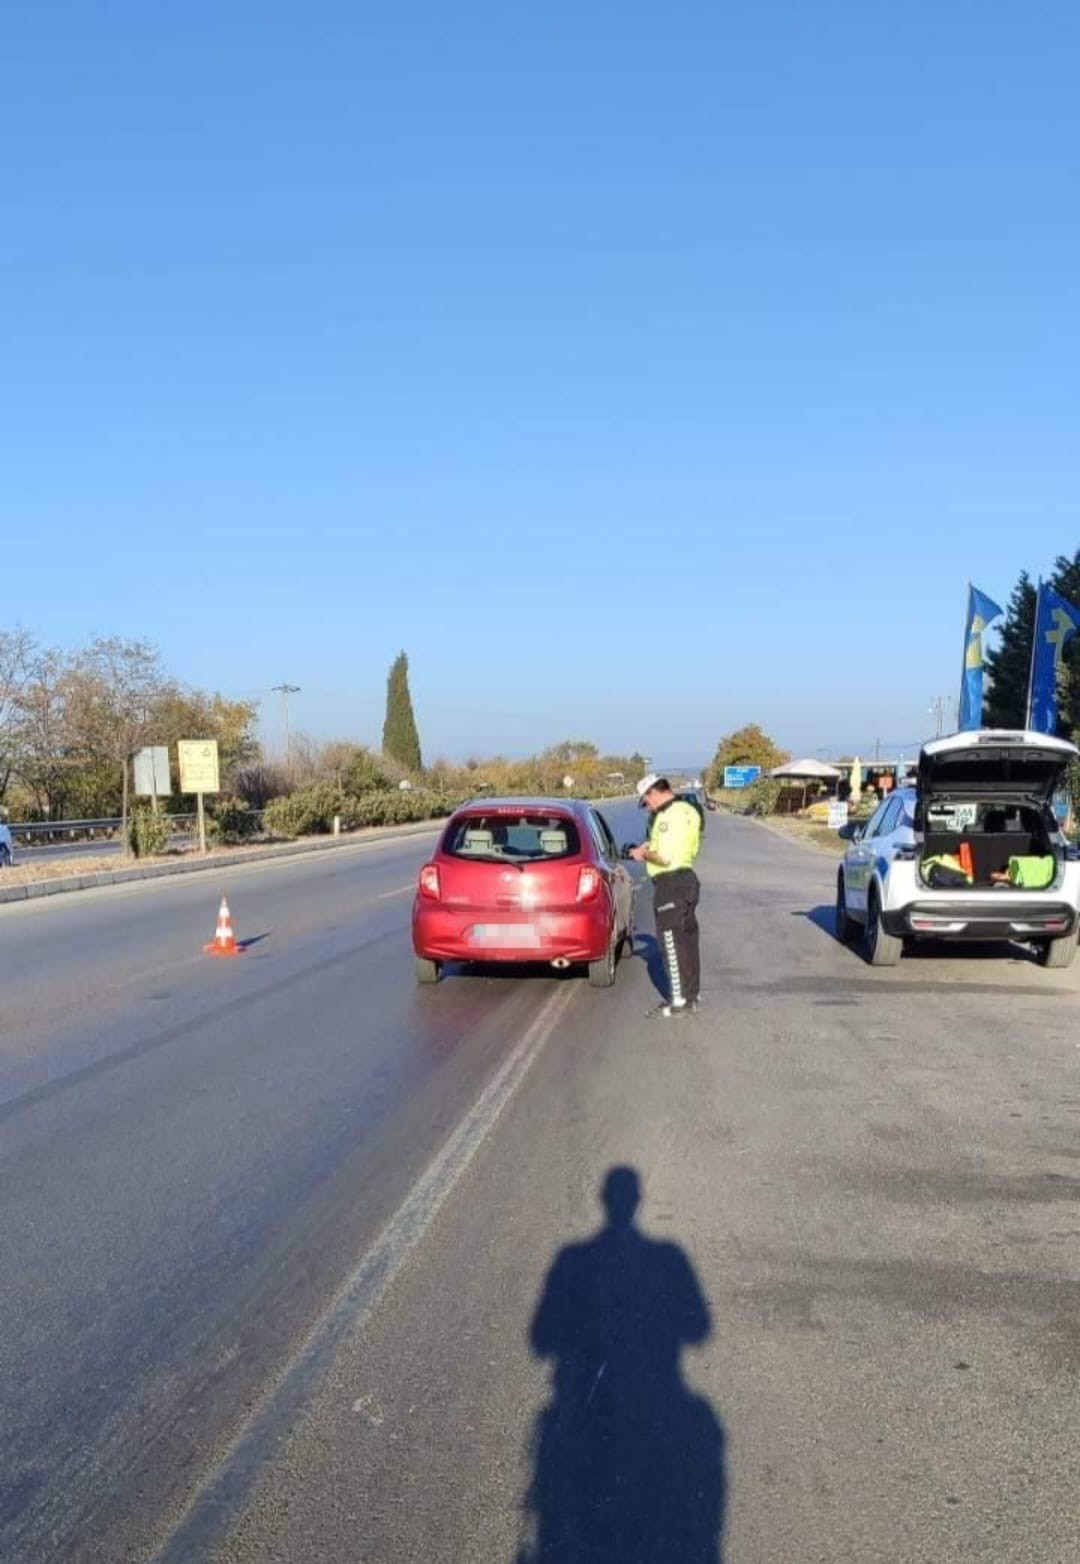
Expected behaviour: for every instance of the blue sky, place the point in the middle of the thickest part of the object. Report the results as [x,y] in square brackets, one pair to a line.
[643,370]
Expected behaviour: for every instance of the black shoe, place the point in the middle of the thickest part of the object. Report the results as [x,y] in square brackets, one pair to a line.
[667,1012]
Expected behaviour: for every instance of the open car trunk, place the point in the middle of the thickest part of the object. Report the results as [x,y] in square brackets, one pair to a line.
[985,797]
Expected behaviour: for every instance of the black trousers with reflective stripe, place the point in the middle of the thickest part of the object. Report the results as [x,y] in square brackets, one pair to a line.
[675,899]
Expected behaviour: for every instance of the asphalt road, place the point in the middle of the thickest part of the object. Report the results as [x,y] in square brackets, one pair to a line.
[301,1263]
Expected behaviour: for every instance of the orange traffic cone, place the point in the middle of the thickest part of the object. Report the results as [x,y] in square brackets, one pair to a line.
[224,940]
[967,863]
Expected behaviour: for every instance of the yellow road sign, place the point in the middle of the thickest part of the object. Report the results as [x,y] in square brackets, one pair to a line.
[198,766]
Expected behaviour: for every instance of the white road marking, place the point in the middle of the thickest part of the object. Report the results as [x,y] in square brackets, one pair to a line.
[400,891]
[225,1490]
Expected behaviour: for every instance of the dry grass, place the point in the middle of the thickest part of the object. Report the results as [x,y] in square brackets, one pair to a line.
[26,872]
[818,836]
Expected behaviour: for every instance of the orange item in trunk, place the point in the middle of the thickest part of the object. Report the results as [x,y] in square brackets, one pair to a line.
[967,863]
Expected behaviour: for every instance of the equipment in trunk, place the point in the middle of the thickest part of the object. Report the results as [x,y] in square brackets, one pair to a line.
[995,838]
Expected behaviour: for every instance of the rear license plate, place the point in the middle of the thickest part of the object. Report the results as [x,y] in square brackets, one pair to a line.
[518,935]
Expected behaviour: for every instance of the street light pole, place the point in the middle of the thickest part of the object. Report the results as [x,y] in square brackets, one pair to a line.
[285,690]
[942,708]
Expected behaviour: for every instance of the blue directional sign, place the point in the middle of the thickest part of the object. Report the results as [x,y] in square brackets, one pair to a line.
[741,776]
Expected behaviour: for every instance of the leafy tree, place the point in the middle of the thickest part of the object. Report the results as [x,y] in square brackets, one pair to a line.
[748,746]
[119,683]
[572,751]
[46,758]
[400,739]
[178,713]
[17,656]
[1008,664]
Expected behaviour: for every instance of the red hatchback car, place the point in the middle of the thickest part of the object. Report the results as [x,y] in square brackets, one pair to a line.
[534,879]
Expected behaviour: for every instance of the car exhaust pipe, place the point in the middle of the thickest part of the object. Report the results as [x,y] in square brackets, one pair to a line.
[560,963]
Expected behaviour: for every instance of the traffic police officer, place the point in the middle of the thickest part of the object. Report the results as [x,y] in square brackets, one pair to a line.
[668,856]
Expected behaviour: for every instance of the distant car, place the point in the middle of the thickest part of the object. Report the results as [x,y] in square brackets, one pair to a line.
[984,797]
[524,880]
[698,797]
[7,847]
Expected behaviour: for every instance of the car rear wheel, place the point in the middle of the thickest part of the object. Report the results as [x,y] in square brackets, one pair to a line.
[846,927]
[1059,953]
[882,949]
[602,972]
[427,971]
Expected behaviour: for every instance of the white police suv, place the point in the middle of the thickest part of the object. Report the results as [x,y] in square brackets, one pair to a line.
[972,852]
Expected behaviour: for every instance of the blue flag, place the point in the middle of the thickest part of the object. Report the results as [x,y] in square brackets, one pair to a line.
[1056,622]
[982,611]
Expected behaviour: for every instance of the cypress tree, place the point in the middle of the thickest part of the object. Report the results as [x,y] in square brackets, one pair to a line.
[400,740]
[1009,663]
[1066,580]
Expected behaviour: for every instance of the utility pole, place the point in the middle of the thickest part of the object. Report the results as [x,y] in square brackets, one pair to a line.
[285,690]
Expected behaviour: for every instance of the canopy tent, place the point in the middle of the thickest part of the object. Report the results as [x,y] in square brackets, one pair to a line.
[806,771]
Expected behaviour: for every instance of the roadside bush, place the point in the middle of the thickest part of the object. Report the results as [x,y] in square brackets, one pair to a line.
[366,773]
[399,808]
[148,832]
[233,822]
[762,797]
[309,811]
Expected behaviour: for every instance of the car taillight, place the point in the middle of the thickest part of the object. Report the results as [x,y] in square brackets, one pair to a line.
[429,881]
[588,884]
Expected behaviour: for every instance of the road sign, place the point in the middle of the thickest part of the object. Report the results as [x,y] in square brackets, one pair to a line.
[838,815]
[741,776]
[198,766]
[152,779]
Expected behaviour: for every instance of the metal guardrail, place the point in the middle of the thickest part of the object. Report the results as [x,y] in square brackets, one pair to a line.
[52,832]
[57,832]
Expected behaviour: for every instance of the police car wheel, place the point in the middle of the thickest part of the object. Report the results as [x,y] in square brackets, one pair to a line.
[882,949]
[1058,953]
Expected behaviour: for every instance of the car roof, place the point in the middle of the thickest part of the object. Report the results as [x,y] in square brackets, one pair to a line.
[566,806]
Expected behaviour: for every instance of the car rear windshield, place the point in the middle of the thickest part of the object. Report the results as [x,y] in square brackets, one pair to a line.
[509,838]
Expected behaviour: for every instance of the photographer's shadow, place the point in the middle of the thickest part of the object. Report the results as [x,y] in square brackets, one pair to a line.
[629,1462]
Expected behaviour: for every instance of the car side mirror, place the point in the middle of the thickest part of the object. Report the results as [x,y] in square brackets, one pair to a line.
[852,832]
